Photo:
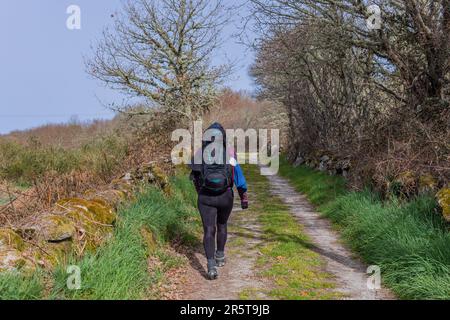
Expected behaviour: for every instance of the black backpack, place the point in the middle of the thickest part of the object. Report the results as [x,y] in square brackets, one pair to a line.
[217,178]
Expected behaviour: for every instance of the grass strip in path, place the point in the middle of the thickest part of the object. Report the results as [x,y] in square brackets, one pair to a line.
[286,260]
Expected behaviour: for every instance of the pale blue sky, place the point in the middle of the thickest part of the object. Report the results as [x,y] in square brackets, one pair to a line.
[43,79]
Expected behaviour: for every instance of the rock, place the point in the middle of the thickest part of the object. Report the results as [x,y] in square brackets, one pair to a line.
[427,183]
[324,163]
[403,185]
[127,177]
[312,163]
[55,228]
[298,161]
[342,167]
[75,224]
[112,198]
[90,192]
[155,175]
[443,197]
[56,253]
[11,260]
[122,185]
[98,211]
[12,249]
[318,153]
[322,166]
[51,240]
[48,254]
[406,178]
[26,232]
[406,182]
[10,239]
[93,219]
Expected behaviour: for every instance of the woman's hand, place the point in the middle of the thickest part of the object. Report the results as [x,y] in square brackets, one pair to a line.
[244,198]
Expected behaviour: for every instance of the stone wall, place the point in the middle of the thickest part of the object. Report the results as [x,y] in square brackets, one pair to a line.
[73,226]
[405,184]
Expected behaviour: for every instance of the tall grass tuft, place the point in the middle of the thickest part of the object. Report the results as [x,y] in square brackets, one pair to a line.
[20,287]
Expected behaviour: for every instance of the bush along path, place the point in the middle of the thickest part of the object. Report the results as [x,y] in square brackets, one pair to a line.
[270,255]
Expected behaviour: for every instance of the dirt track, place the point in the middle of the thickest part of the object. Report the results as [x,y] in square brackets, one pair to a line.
[350,273]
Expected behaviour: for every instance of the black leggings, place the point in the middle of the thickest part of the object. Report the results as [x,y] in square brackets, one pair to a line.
[215,211]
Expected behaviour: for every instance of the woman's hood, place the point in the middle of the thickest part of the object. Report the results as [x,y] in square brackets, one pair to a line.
[206,141]
[217,126]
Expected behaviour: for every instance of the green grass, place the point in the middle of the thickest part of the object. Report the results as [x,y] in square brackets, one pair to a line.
[319,187]
[119,269]
[410,241]
[19,287]
[297,272]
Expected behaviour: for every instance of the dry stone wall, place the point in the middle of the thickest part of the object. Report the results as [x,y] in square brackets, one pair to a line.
[74,225]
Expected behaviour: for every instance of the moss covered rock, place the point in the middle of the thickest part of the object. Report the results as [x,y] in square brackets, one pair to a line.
[406,178]
[48,255]
[55,228]
[342,167]
[93,220]
[90,192]
[112,198]
[11,260]
[10,239]
[150,173]
[97,210]
[427,183]
[12,252]
[56,253]
[443,198]
[122,185]
[403,185]
[157,176]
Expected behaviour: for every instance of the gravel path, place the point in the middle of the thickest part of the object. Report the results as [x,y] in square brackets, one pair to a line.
[350,274]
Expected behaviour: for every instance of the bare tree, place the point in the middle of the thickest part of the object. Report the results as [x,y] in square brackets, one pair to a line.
[379,96]
[325,85]
[160,50]
[412,45]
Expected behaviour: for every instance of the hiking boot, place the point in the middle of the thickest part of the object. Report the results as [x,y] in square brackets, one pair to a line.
[212,270]
[220,258]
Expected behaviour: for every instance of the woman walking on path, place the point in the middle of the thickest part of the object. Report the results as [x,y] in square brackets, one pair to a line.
[213,179]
